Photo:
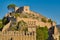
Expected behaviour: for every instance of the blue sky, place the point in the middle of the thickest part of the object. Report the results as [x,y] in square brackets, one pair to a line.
[48,8]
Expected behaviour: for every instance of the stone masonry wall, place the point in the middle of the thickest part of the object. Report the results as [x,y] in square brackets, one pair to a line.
[17,35]
[34,22]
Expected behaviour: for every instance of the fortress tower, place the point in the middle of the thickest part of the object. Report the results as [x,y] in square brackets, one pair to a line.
[26,9]
[22,9]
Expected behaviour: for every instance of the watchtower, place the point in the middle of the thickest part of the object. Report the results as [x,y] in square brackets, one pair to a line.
[24,9]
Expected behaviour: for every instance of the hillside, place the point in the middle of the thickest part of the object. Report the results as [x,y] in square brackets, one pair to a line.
[25,18]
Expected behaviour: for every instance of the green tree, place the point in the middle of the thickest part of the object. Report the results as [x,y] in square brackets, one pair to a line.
[1,26]
[11,7]
[5,20]
[0,20]
[42,33]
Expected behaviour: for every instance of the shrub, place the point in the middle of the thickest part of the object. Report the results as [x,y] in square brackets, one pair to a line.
[0,20]
[25,16]
[42,33]
[43,20]
[5,20]
[33,14]
[17,15]
[49,20]
[1,26]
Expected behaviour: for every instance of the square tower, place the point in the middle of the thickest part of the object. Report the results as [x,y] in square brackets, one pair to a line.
[26,9]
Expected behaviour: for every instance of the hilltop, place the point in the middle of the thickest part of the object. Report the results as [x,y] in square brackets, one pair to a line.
[23,19]
[24,16]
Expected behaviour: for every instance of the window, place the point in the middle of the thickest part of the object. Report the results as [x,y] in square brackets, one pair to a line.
[26,9]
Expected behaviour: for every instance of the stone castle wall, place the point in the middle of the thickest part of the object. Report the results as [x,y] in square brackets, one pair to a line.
[34,21]
[31,22]
[17,35]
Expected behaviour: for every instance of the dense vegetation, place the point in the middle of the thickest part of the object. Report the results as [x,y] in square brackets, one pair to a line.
[42,33]
[19,26]
[5,20]
[1,25]
[0,20]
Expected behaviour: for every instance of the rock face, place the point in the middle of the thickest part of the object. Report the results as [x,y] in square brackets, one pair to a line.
[24,17]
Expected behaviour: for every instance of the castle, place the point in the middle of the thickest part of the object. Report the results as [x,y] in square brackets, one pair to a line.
[32,22]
